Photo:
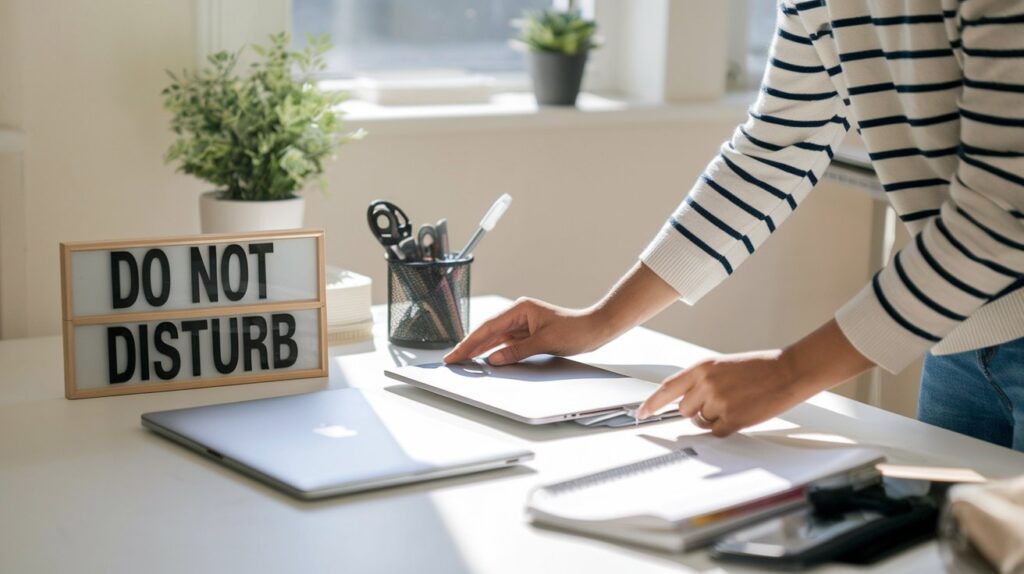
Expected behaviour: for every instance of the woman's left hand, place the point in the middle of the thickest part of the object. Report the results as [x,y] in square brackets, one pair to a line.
[731,392]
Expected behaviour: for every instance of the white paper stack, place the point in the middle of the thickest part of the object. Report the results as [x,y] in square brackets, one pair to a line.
[349,319]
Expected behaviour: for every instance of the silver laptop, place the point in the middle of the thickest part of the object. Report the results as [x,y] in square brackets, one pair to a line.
[539,390]
[333,442]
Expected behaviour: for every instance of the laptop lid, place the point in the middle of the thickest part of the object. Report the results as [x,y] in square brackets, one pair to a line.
[333,442]
[541,389]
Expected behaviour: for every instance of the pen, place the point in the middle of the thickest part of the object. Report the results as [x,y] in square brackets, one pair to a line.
[486,224]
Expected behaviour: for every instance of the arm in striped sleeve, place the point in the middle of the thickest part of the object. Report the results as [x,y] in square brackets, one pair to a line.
[973,251]
[762,173]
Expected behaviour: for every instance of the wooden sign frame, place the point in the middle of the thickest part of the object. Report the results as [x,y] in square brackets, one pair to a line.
[71,391]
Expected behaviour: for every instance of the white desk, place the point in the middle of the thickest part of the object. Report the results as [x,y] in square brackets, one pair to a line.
[84,488]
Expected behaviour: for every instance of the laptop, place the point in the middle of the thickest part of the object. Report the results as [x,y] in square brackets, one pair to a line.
[333,442]
[539,390]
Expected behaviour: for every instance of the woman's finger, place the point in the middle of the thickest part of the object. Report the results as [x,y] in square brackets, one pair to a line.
[492,330]
[675,386]
[517,352]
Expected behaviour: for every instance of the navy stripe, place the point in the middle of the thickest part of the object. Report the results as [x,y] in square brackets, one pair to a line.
[987,53]
[916,215]
[974,150]
[994,86]
[720,224]
[760,143]
[1003,174]
[834,70]
[821,34]
[771,224]
[995,120]
[781,166]
[955,43]
[1017,214]
[809,4]
[789,11]
[896,316]
[989,20]
[815,147]
[909,151]
[912,184]
[895,55]
[888,21]
[797,123]
[993,234]
[794,38]
[913,122]
[732,198]
[946,274]
[703,246]
[794,68]
[763,185]
[903,88]
[812,97]
[968,254]
[812,178]
[920,294]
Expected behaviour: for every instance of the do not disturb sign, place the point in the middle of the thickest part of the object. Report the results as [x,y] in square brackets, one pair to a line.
[179,313]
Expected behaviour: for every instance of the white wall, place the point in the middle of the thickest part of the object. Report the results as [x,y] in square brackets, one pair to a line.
[587,199]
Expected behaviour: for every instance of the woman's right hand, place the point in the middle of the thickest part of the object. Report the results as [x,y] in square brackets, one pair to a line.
[531,327]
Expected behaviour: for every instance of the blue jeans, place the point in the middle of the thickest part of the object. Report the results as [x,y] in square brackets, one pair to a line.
[977,393]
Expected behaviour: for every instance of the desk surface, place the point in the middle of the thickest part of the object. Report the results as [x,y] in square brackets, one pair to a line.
[83,487]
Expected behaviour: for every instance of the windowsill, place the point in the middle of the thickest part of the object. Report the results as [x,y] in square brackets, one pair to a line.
[520,111]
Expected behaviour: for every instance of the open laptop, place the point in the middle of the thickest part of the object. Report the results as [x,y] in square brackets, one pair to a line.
[332,442]
[540,390]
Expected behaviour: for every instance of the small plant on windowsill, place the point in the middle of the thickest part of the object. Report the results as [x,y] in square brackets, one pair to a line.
[259,138]
[557,44]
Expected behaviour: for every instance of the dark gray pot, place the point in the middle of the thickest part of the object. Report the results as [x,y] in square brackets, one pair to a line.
[556,77]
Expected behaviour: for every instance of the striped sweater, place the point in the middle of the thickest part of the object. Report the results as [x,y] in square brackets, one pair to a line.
[936,90]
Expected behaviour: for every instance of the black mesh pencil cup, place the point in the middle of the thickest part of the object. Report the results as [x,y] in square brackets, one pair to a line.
[428,302]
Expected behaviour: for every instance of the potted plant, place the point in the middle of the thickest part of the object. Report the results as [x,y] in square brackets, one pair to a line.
[557,45]
[258,138]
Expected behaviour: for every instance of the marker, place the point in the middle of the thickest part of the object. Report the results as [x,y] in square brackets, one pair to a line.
[486,224]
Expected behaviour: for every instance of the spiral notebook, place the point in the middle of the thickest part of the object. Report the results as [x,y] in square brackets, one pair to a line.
[693,494]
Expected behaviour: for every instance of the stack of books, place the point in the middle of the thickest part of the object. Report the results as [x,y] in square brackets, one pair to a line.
[349,319]
[690,496]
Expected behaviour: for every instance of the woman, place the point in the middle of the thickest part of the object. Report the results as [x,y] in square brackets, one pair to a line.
[936,88]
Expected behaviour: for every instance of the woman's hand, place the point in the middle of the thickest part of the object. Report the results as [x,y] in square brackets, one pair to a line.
[532,327]
[731,392]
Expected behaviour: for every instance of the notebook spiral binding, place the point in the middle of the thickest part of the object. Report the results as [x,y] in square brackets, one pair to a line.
[621,472]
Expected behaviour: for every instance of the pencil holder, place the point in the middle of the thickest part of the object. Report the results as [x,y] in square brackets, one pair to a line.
[428,302]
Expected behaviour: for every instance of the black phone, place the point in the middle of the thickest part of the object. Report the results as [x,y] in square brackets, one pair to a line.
[902,513]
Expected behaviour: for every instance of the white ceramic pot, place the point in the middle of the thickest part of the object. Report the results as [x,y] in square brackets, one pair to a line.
[218,215]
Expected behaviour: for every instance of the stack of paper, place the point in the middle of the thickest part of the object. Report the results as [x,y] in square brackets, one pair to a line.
[349,319]
[692,495]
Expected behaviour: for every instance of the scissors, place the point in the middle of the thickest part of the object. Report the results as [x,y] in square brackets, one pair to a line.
[390,225]
[429,245]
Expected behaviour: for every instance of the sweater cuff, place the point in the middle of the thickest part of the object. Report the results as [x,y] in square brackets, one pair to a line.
[690,271]
[874,333]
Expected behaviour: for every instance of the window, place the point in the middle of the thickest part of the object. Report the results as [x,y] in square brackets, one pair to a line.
[748,50]
[414,35]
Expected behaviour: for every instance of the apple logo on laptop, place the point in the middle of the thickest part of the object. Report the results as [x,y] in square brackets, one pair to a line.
[334,431]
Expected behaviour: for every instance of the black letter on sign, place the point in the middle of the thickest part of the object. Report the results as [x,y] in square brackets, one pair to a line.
[261,250]
[147,277]
[251,343]
[285,339]
[208,276]
[243,272]
[113,334]
[144,352]
[116,258]
[218,346]
[193,328]
[168,350]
